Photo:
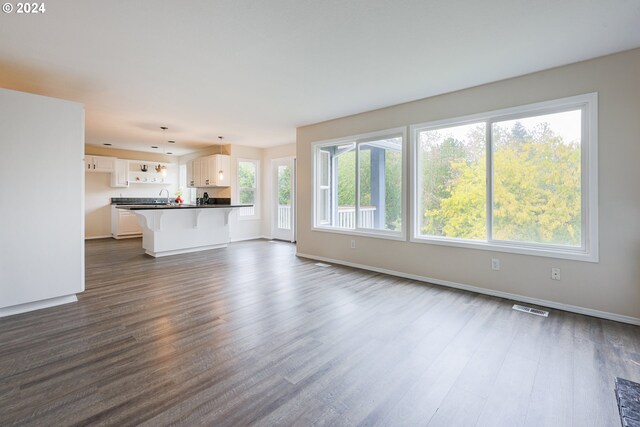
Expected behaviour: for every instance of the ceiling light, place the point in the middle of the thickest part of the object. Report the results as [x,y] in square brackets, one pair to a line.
[162,169]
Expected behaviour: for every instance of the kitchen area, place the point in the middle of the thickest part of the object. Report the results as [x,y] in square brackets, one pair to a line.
[176,204]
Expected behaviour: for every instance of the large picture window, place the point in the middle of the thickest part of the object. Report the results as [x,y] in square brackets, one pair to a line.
[521,180]
[359,184]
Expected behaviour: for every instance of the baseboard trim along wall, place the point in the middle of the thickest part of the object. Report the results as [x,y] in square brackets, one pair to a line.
[500,294]
[37,305]
[244,239]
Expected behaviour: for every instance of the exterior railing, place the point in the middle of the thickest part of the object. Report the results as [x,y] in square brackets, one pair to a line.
[347,217]
[284,217]
[248,211]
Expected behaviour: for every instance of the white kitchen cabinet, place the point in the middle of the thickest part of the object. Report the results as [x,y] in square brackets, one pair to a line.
[197,172]
[210,171]
[120,174]
[99,163]
[124,224]
[190,180]
[207,166]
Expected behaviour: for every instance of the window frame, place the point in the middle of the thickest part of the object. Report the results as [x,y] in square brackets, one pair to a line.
[256,205]
[589,250]
[361,139]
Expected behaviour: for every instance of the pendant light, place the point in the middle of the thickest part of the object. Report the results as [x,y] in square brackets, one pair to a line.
[162,169]
[220,172]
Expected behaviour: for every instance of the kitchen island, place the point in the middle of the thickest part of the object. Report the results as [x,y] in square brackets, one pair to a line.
[171,229]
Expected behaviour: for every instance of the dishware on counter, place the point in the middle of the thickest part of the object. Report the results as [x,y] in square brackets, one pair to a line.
[144,168]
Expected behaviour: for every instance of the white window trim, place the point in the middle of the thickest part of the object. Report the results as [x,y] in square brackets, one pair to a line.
[589,180]
[256,206]
[362,138]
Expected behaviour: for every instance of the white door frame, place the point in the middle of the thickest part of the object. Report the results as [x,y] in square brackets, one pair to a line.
[277,233]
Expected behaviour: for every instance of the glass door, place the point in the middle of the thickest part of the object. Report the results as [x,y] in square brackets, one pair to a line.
[283,227]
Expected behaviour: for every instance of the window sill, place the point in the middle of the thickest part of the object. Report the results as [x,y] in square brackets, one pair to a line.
[248,218]
[576,255]
[388,235]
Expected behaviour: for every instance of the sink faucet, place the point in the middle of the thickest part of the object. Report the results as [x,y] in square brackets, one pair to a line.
[164,189]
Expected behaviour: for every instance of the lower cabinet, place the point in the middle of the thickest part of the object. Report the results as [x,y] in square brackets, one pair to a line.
[124,224]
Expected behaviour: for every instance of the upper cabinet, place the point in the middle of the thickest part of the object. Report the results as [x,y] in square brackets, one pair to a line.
[120,174]
[99,163]
[190,178]
[210,171]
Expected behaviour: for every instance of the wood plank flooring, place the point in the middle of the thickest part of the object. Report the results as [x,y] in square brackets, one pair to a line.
[252,335]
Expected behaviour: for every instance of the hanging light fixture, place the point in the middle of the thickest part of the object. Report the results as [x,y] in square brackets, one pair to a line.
[220,172]
[162,169]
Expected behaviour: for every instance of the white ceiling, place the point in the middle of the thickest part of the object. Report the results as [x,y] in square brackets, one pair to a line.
[253,71]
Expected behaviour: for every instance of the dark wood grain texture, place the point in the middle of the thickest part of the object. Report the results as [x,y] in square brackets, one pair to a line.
[252,335]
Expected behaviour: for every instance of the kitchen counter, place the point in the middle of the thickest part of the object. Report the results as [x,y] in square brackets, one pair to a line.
[176,206]
[177,229]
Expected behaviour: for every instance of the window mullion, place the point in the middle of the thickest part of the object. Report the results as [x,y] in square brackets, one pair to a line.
[357,204]
[489,178]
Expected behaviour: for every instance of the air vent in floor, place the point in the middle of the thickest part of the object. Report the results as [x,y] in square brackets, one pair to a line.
[530,310]
[322,264]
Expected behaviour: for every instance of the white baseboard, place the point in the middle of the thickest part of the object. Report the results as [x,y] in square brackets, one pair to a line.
[37,305]
[485,291]
[108,236]
[243,239]
[127,236]
[184,251]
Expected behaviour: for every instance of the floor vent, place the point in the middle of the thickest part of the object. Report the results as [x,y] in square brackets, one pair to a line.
[322,264]
[530,310]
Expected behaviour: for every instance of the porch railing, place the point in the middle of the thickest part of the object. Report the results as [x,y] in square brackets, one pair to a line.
[347,216]
[284,217]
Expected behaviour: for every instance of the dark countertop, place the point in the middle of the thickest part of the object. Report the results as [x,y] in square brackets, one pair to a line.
[183,206]
[138,201]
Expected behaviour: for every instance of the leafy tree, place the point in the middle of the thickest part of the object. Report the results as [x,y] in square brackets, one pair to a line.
[537,195]
[246,182]
[445,161]
[284,185]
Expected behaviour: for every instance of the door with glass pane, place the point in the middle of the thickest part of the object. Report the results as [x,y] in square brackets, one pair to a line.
[284,199]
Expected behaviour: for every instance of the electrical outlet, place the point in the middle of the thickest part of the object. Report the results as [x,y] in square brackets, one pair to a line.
[353,244]
[555,273]
[495,264]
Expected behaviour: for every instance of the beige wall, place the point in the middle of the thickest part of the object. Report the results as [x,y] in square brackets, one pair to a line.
[611,286]
[98,190]
[128,154]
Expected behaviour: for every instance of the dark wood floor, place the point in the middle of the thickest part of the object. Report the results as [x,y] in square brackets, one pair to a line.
[253,335]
